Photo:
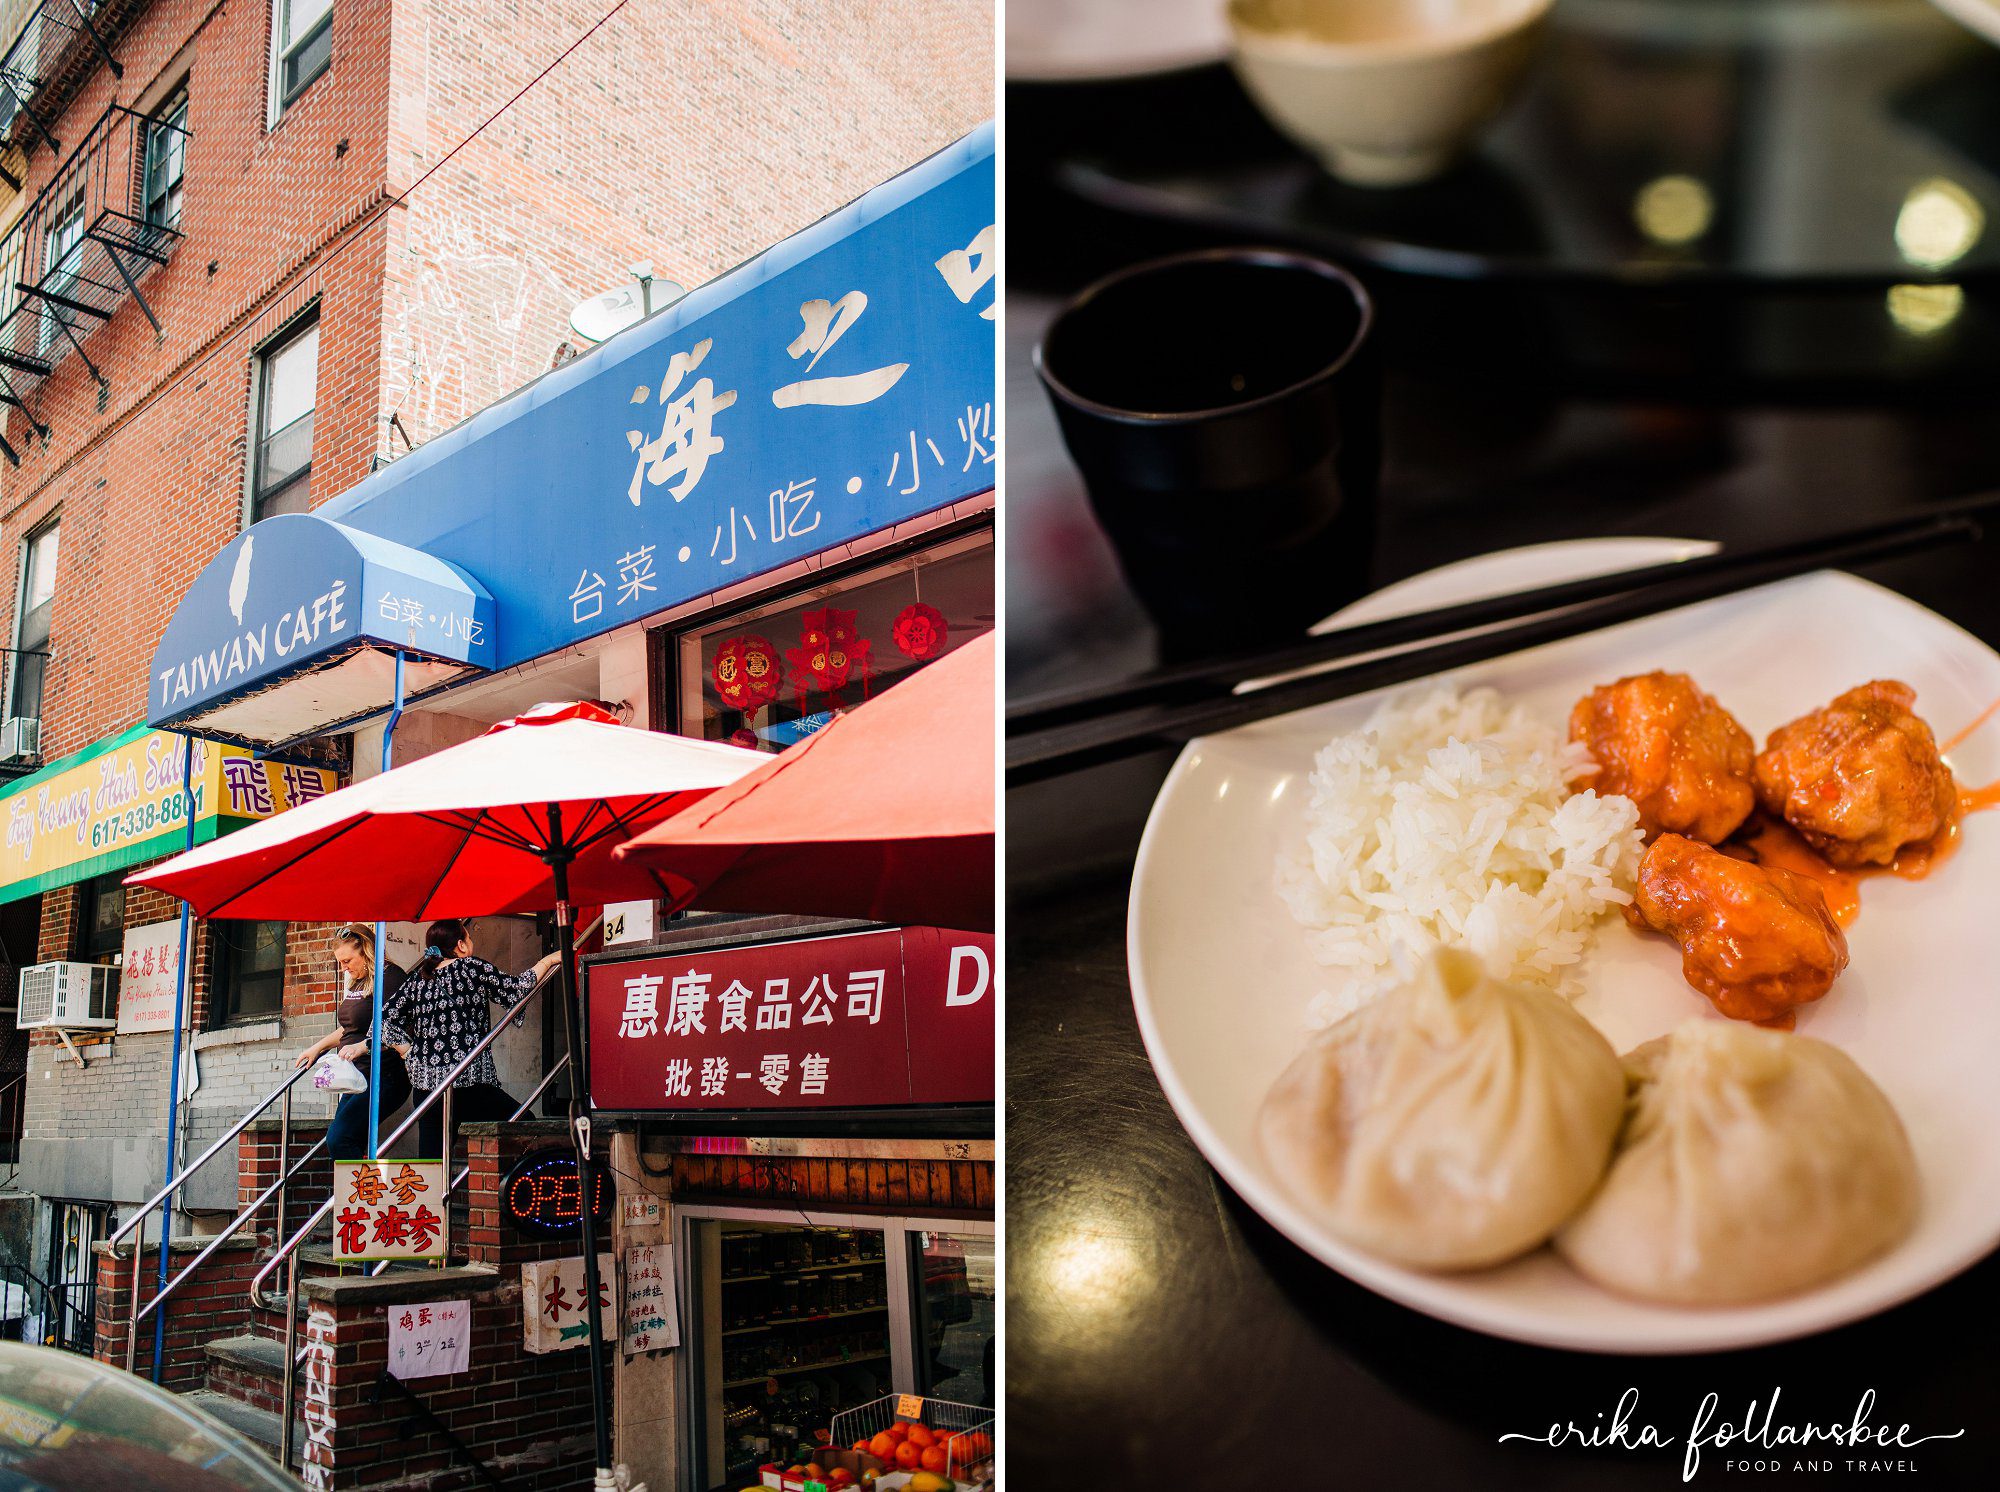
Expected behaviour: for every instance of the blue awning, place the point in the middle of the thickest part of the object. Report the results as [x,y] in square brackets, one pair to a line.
[273,640]
[833,387]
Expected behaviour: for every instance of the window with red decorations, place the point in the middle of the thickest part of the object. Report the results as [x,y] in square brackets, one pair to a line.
[775,672]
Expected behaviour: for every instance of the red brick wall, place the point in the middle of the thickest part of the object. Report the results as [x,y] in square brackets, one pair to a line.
[527,1416]
[213,1304]
[59,914]
[491,1151]
[312,979]
[690,133]
[259,204]
[257,1168]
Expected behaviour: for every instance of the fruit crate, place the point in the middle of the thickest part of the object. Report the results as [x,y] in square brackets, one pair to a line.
[966,1431]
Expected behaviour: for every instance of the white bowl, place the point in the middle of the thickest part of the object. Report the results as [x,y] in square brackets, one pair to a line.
[1385,92]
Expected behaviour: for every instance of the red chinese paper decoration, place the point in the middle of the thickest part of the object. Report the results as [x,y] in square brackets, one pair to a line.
[830,652]
[920,631]
[746,673]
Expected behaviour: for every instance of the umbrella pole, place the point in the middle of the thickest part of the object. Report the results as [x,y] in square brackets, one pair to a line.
[559,856]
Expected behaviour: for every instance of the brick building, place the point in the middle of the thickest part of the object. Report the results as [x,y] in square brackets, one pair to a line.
[253,253]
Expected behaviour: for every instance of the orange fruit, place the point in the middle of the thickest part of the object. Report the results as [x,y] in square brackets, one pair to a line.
[908,1455]
[883,1446]
[899,1429]
[862,1444]
[921,1436]
[815,1472]
[934,1458]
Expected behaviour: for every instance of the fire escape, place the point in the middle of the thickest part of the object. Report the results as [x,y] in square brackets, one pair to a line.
[107,215]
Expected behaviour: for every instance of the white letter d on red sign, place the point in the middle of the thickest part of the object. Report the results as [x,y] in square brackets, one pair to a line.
[959,956]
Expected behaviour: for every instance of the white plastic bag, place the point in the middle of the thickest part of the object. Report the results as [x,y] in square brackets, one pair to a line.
[335,1074]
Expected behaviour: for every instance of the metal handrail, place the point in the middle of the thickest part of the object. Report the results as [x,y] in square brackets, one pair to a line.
[287,1253]
[176,1182]
[235,1226]
[441,1091]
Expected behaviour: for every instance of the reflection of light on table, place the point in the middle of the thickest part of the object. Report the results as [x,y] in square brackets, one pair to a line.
[1923,309]
[1939,222]
[1092,1272]
[1674,209]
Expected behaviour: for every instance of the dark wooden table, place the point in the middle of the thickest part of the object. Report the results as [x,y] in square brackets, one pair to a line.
[1159,1333]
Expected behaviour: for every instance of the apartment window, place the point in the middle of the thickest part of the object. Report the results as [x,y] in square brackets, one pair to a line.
[101,933]
[31,632]
[249,963]
[287,385]
[301,48]
[62,252]
[166,162]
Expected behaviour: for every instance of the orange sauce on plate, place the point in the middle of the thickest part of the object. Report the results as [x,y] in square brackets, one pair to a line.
[1774,843]
[1771,842]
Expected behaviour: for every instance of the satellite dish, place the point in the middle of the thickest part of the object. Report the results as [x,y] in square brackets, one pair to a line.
[604,316]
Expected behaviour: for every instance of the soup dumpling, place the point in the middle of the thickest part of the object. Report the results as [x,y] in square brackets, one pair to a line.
[1453,1122]
[1753,1163]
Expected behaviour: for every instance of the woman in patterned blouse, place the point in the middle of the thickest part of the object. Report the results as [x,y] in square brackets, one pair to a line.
[440,1014]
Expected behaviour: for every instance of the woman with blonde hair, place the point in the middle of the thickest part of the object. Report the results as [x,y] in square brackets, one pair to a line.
[354,1017]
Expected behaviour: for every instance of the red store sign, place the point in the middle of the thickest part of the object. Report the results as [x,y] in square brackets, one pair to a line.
[858,1021]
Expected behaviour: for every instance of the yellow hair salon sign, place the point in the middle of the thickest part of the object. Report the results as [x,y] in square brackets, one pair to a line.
[120,802]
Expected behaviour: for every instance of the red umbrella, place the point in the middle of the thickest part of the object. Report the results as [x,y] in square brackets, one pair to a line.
[464,831]
[522,818]
[885,814]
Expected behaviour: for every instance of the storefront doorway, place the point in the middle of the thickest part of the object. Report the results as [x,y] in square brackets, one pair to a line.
[793,1317]
[74,1228]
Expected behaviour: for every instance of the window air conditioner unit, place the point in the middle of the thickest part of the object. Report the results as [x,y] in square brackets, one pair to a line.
[72,997]
[20,739]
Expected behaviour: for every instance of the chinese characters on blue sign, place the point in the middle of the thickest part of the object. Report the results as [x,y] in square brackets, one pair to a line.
[837,385]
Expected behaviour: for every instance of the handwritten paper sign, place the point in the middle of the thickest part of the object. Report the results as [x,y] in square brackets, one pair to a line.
[554,1311]
[152,975]
[388,1209]
[643,1210]
[651,1321]
[909,1406]
[427,1341]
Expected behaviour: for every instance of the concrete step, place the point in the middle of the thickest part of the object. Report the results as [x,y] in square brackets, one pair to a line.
[248,1369]
[258,1426]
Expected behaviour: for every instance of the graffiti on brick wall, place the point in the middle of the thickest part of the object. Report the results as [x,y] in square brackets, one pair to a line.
[317,1406]
[463,322]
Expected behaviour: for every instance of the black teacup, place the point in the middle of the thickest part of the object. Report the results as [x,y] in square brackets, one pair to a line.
[1224,407]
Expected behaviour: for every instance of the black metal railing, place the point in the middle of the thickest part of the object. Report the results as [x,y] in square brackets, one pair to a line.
[59,44]
[84,243]
[56,1315]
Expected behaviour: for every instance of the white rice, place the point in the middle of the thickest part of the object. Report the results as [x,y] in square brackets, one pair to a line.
[1448,818]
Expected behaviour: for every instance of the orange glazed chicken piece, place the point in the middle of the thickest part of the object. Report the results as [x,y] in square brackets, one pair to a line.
[1859,779]
[1758,941]
[1658,740]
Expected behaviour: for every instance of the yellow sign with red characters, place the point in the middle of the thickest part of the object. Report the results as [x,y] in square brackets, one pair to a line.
[120,802]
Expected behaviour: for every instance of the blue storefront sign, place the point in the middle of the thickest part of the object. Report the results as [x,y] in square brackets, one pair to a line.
[834,386]
[296,592]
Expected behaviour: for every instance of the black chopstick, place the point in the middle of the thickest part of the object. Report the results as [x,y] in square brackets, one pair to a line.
[1069,747]
[1217,676]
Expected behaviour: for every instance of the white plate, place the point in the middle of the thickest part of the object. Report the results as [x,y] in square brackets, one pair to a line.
[1982,16]
[1221,978]
[1069,41]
